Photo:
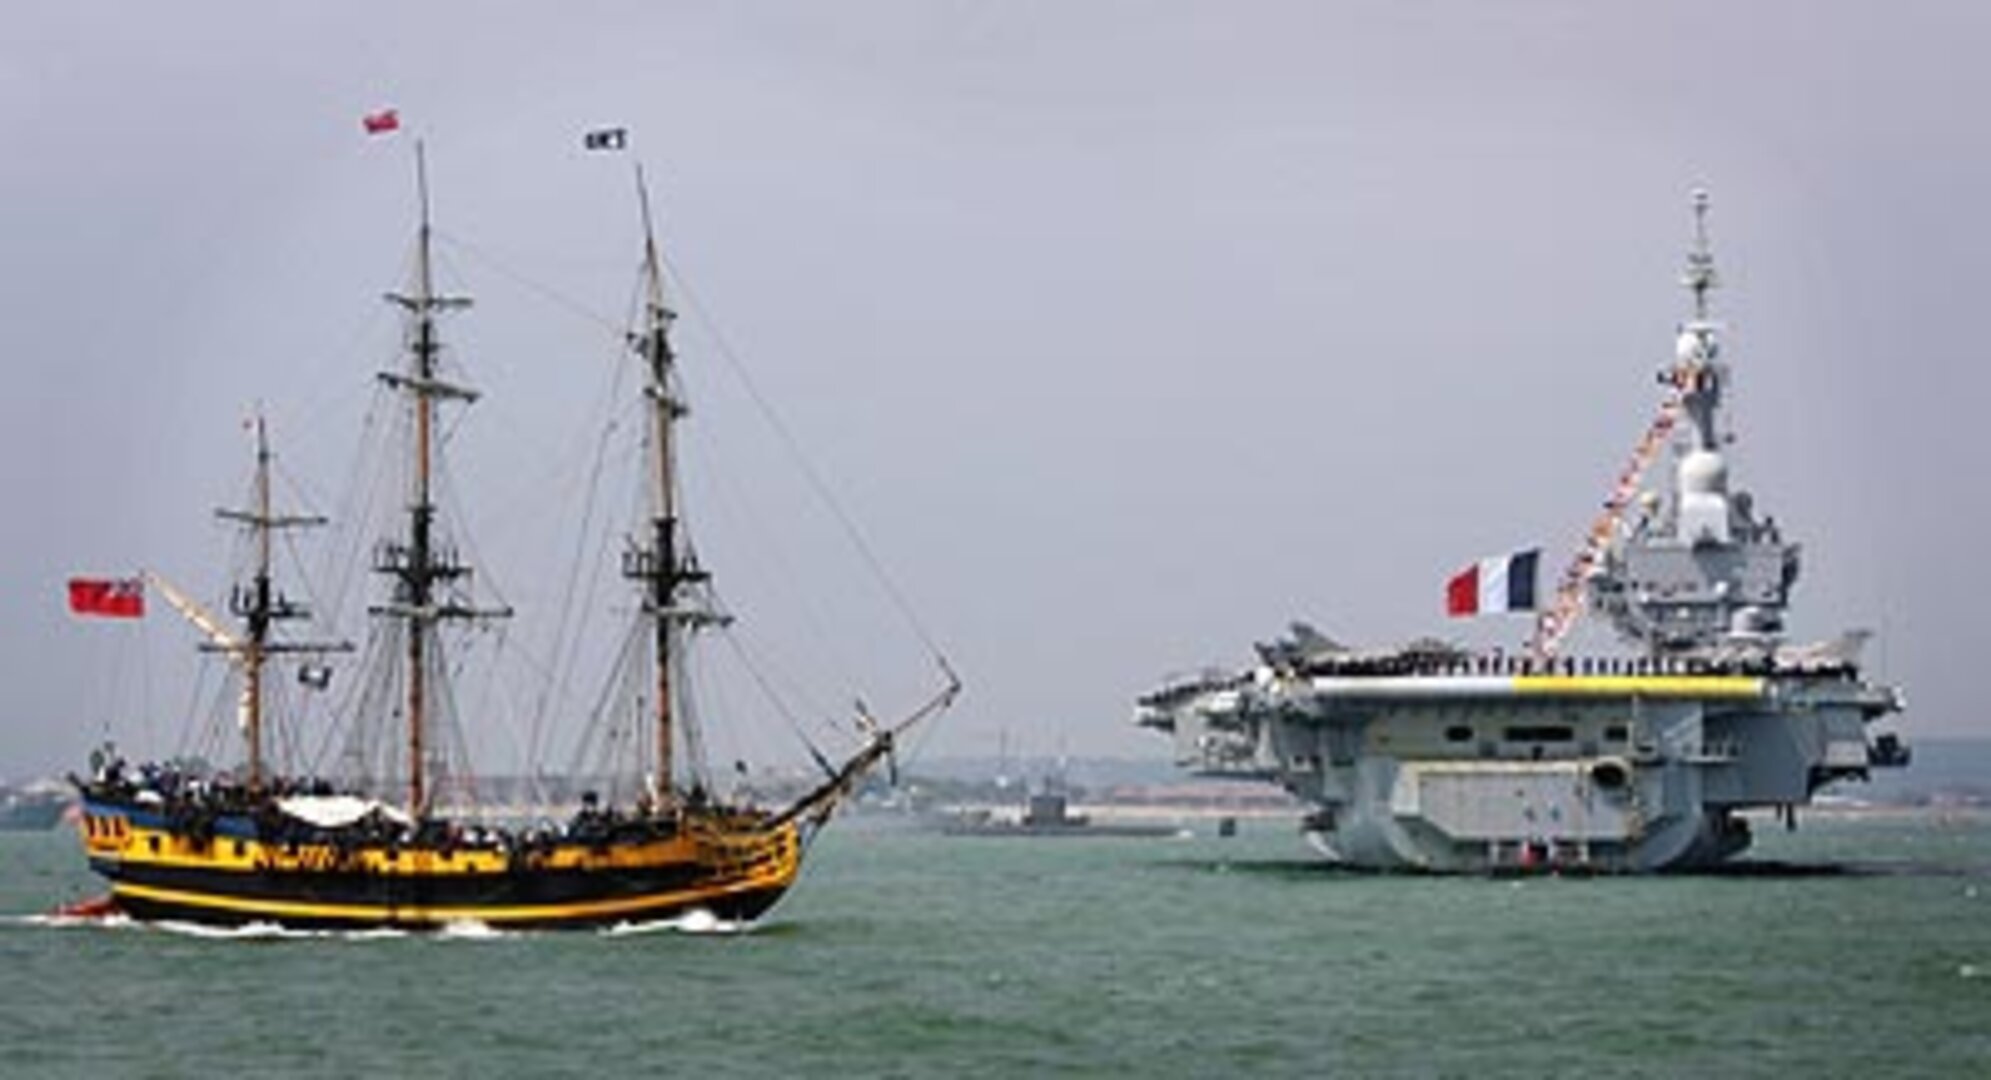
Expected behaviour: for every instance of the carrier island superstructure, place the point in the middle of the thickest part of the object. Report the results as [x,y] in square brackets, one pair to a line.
[1433,757]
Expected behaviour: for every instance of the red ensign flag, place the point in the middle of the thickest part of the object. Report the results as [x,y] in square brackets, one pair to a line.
[117,598]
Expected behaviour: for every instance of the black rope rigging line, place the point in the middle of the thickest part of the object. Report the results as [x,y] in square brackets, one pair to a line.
[487,688]
[339,748]
[599,716]
[559,679]
[453,754]
[367,748]
[305,709]
[630,740]
[145,687]
[690,724]
[564,648]
[516,277]
[303,420]
[780,707]
[757,668]
[107,690]
[724,348]
[729,500]
[463,537]
[218,736]
[355,522]
[298,566]
[340,709]
[280,725]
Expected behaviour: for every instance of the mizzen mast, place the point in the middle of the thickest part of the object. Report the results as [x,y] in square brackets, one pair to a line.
[418,564]
[258,604]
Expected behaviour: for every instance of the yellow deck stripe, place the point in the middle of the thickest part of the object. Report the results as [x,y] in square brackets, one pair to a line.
[628,905]
[1719,686]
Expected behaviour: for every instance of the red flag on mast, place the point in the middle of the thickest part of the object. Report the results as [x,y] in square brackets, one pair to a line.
[382,122]
[116,598]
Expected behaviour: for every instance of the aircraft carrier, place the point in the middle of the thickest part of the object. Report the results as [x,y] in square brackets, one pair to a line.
[1432,757]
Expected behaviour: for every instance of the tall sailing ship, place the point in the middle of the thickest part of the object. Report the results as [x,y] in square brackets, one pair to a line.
[261,846]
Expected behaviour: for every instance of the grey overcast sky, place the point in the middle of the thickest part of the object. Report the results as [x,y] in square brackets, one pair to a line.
[1127,331]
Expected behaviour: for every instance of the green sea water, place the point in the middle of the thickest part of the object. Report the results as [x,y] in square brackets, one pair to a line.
[904,953]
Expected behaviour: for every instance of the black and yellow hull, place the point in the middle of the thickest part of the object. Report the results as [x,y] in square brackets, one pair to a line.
[733,867]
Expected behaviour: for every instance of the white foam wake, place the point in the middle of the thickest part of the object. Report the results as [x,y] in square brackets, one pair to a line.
[472,930]
[695,921]
[59,921]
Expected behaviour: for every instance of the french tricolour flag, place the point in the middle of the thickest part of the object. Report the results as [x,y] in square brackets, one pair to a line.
[1502,583]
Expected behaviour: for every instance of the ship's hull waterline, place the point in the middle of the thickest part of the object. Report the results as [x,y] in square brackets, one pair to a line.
[158,873]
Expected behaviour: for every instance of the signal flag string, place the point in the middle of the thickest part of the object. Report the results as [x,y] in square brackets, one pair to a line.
[1561,617]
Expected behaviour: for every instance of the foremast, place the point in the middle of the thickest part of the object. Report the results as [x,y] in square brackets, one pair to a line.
[418,564]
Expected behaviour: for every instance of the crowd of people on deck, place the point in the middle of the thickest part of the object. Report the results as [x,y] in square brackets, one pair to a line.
[194,802]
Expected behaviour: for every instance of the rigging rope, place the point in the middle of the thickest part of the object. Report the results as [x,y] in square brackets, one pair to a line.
[564,648]
[573,306]
[873,564]
[723,346]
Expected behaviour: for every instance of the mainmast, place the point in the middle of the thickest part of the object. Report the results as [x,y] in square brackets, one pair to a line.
[417,563]
[661,563]
[260,606]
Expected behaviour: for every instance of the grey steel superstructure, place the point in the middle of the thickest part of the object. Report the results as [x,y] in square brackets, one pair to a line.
[1431,757]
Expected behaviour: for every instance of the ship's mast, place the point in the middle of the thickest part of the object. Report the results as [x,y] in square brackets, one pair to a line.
[1700,277]
[260,606]
[660,563]
[259,612]
[1698,375]
[418,565]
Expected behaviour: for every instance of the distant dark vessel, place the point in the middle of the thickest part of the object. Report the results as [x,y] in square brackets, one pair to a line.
[1046,813]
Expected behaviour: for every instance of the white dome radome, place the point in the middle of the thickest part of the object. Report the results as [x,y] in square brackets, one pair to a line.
[1703,472]
[1695,347]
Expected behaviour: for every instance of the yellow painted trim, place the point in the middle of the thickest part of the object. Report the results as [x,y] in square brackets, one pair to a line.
[1715,686]
[381,913]
[134,845]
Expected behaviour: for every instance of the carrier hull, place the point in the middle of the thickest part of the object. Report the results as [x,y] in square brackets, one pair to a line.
[1467,773]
